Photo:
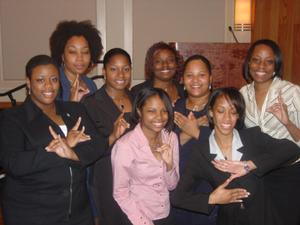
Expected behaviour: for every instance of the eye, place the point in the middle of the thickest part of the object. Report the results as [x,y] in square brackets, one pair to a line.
[255,60]
[86,52]
[54,79]
[126,69]
[270,62]
[113,69]
[40,80]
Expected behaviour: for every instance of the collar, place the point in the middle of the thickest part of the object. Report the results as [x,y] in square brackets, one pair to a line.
[236,144]
[33,111]
[272,92]
[141,138]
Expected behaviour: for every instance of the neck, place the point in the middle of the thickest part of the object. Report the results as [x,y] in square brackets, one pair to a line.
[162,84]
[224,142]
[47,109]
[113,93]
[198,101]
[262,87]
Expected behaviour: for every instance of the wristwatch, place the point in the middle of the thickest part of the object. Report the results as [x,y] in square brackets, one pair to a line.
[246,167]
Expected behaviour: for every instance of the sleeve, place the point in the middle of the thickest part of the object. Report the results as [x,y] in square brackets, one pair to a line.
[172,177]
[90,151]
[296,105]
[272,153]
[121,166]
[184,195]
[15,158]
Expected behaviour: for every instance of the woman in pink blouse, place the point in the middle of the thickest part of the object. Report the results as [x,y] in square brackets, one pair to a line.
[145,161]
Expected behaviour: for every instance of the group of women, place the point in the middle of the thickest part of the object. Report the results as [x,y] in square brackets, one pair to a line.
[116,158]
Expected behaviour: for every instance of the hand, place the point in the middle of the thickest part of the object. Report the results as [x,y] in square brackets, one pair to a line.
[166,154]
[279,110]
[188,125]
[59,146]
[235,168]
[203,121]
[75,135]
[77,91]
[120,126]
[221,195]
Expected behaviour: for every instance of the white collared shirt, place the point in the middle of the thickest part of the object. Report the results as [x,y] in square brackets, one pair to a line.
[268,123]
[236,144]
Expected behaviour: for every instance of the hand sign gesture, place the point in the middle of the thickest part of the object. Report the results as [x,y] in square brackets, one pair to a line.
[120,126]
[75,135]
[59,146]
[77,91]
[279,110]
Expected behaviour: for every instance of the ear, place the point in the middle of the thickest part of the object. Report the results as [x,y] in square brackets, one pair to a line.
[28,83]
[139,113]
[210,113]
[104,73]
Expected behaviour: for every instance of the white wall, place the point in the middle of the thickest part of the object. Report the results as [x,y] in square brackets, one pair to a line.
[25,27]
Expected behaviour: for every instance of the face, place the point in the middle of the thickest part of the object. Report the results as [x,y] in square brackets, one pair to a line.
[153,116]
[262,64]
[43,85]
[224,116]
[164,65]
[196,78]
[77,56]
[117,72]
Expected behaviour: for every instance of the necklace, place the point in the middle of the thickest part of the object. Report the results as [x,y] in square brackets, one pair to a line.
[156,144]
[196,107]
[119,101]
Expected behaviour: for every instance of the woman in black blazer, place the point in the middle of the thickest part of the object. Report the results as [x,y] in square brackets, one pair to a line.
[45,147]
[257,152]
[110,108]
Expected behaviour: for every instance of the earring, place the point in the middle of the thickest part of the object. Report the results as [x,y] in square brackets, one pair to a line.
[274,74]
[209,87]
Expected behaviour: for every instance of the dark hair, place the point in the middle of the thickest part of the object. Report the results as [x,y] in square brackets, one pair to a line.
[115,51]
[234,97]
[149,70]
[68,29]
[277,53]
[198,57]
[147,93]
[38,60]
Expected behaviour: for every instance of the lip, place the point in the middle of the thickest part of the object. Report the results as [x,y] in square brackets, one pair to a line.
[158,124]
[260,73]
[120,81]
[226,125]
[48,94]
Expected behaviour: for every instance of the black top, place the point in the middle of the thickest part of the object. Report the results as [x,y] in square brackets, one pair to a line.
[267,154]
[41,187]
[103,111]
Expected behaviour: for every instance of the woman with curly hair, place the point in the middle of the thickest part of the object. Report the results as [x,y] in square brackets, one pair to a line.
[162,71]
[75,46]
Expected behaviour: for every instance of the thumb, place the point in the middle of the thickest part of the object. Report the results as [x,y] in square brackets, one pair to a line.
[226,182]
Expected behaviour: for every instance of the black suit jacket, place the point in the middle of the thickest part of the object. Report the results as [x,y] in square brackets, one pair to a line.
[41,187]
[267,154]
[104,113]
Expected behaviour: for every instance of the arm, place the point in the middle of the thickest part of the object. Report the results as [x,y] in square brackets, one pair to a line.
[90,150]
[186,197]
[121,162]
[16,158]
[171,176]
[280,111]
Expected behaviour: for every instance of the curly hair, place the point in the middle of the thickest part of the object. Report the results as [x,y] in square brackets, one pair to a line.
[68,29]
[149,70]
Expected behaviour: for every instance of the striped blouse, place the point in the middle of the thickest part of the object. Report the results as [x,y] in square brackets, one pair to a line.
[268,122]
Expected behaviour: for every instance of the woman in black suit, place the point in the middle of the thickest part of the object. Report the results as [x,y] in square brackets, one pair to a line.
[45,147]
[257,154]
[110,108]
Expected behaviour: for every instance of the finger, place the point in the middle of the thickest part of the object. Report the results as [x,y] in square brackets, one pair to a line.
[77,124]
[53,133]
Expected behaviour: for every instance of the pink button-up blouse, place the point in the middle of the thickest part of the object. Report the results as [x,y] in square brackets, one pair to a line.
[141,183]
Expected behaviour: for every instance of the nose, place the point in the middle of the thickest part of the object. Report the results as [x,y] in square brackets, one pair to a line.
[48,83]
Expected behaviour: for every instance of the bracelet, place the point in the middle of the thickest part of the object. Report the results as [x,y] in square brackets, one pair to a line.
[246,167]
